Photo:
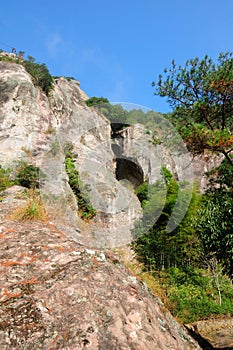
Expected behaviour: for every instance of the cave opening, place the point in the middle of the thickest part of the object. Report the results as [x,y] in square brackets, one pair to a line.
[127,169]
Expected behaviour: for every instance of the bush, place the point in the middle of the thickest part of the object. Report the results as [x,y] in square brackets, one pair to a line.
[27,175]
[194,296]
[154,245]
[85,208]
[5,180]
[96,101]
[39,72]
[40,75]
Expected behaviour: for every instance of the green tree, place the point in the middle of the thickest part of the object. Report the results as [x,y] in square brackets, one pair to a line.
[21,54]
[40,74]
[31,59]
[158,248]
[27,175]
[201,94]
[213,225]
[221,177]
[114,113]
[96,101]
[214,220]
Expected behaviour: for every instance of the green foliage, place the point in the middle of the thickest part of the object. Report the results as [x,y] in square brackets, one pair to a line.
[10,59]
[193,295]
[96,101]
[27,175]
[158,248]
[24,174]
[213,226]
[114,113]
[55,147]
[31,59]
[142,192]
[86,210]
[40,74]
[214,219]
[221,176]
[5,179]
[201,93]
[70,78]
[121,118]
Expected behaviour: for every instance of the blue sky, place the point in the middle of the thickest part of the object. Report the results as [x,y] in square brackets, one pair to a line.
[117,48]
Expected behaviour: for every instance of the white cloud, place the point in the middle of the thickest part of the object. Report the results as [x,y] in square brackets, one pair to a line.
[54,44]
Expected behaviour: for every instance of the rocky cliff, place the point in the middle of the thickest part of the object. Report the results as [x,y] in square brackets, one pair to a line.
[56,293]
[37,129]
[59,288]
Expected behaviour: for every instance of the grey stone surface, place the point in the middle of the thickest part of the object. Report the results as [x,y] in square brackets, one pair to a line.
[37,129]
[59,294]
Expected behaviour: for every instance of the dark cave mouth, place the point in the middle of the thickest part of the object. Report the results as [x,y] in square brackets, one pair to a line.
[127,169]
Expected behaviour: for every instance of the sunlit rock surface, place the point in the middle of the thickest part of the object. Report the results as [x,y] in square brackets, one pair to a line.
[38,129]
[59,294]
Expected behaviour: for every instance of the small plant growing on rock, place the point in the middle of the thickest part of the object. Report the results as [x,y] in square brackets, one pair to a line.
[5,180]
[86,210]
[32,210]
[27,175]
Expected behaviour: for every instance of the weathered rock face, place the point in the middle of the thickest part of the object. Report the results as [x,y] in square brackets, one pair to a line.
[57,291]
[58,294]
[38,129]
[134,143]
[25,116]
[90,134]
[140,160]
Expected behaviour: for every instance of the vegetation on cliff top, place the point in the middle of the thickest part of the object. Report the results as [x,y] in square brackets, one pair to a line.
[38,71]
[40,74]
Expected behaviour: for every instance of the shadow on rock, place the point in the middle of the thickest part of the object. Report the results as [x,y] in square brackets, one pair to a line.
[205,344]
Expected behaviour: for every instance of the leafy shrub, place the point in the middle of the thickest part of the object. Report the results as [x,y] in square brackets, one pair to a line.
[27,175]
[191,302]
[5,180]
[142,192]
[96,101]
[40,74]
[191,294]
[86,210]
[155,246]
[9,59]
[214,228]
[70,78]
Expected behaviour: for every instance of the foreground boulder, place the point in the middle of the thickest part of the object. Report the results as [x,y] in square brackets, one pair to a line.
[61,294]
